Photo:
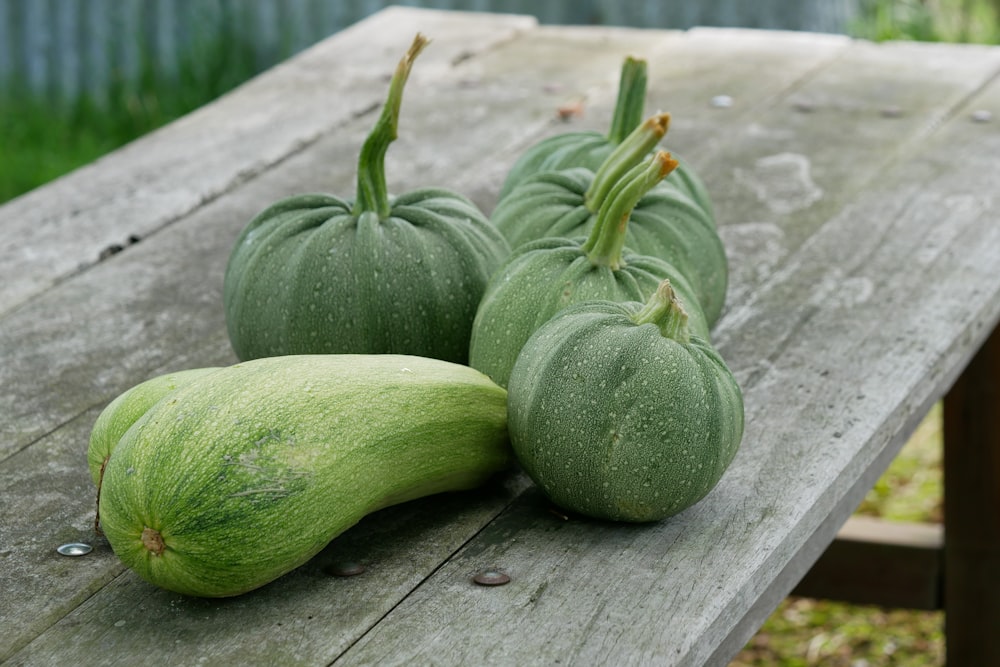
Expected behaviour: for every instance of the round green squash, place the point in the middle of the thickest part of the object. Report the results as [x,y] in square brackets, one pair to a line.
[316,273]
[588,149]
[617,412]
[243,474]
[543,277]
[665,223]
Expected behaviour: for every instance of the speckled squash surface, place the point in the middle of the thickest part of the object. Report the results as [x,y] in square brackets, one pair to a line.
[317,273]
[618,413]
[241,475]
[665,223]
[124,410]
[545,276]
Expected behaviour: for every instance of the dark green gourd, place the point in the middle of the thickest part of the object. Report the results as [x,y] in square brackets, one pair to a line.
[588,149]
[316,273]
[617,411]
[665,223]
[543,277]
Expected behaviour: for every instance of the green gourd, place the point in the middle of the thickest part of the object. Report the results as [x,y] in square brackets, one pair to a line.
[543,277]
[588,149]
[316,273]
[665,223]
[617,411]
[241,475]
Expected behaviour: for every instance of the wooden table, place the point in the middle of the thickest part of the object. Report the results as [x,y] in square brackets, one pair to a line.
[856,188]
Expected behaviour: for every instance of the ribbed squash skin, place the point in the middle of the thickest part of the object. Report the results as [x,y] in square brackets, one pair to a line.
[306,276]
[542,278]
[664,224]
[615,421]
[241,475]
[374,274]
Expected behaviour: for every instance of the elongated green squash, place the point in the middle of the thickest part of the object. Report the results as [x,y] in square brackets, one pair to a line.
[543,277]
[588,149]
[317,273]
[241,475]
[665,223]
[617,412]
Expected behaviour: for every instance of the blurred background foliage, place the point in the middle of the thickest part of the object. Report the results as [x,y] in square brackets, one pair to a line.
[44,134]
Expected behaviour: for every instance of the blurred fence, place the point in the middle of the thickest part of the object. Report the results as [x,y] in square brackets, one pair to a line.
[64,48]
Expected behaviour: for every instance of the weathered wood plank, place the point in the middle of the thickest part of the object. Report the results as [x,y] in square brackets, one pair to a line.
[105,338]
[505,85]
[60,229]
[152,304]
[308,617]
[157,307]
[808,150]
[841,353]
[877,562]
[972,510]
[685,71]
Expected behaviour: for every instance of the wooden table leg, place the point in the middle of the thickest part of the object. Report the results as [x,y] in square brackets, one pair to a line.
[972,510]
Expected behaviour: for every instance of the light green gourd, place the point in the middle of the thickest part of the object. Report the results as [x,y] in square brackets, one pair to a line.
[244,473]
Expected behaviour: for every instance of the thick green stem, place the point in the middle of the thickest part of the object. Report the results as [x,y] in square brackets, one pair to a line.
[607,238]
[372,193]
[631,100]
[665,310]
[629,153]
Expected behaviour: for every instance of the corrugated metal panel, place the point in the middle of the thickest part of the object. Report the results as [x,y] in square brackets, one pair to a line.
[62,48]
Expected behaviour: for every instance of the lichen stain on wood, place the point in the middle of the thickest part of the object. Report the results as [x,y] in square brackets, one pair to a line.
[782,181]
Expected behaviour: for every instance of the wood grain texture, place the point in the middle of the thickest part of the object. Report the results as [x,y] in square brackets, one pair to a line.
[156,307]
[863,247]
[841,351]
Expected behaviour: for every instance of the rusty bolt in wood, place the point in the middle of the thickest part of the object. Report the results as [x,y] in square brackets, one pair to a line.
[345,569]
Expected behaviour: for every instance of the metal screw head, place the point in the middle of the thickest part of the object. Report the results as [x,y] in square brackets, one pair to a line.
[491,578]
[74,549]
[721,101]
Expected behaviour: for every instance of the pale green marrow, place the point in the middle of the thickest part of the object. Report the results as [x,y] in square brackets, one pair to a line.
[241,475]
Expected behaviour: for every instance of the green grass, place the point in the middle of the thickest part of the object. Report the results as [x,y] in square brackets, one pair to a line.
[42,139]
[974,21]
